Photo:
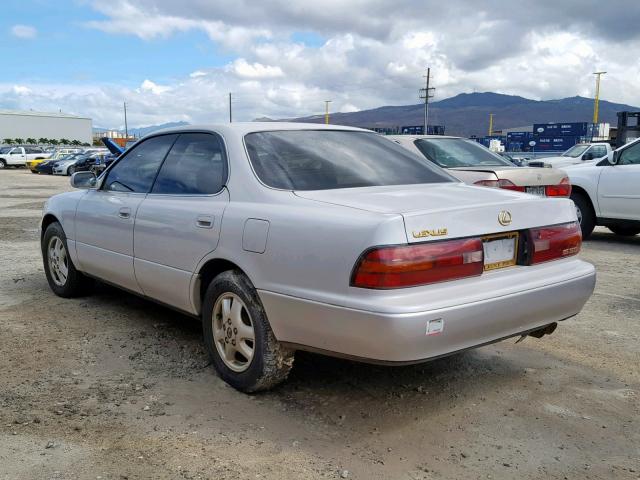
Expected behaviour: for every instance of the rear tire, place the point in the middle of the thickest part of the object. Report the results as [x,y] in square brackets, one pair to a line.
[3,164]
[241,344]
[63,278]
[586,215]
[624,231]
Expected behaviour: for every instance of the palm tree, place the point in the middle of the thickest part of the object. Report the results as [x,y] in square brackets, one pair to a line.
[18,140]
[8,141]
[64,141]
[75,143]
[53,141]
[85,144]
[31,141]
[43,141]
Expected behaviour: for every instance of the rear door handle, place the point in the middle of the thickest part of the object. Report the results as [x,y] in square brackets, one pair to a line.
[204,221]
[124,212]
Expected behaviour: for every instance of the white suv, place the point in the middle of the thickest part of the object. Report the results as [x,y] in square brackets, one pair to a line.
[608,192]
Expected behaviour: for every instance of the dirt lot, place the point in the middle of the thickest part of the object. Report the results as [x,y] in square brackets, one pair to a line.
[112,386]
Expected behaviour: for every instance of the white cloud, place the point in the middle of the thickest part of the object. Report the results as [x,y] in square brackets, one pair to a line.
[255,70]
[26,32]
[149,86]
[21,90]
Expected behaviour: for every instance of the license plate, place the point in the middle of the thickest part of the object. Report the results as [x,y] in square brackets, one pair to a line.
[500,250]
[539,191]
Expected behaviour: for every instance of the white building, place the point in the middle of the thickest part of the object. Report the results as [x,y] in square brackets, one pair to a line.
[29,124]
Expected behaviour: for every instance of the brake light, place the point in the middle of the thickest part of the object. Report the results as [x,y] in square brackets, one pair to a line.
[563,189]
[502,183]
[557,241]
[413,265]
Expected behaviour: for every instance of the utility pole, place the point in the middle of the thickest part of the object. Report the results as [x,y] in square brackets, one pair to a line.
[596,100]
[490,124]
[230,114]
[326,111]
[126,128]
[425,94]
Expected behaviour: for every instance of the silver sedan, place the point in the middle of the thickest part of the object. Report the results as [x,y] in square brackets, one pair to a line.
[282,237]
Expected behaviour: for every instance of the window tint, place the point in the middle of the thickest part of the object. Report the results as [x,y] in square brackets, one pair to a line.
[195,165]
[330,159]
[631,155]
[137,169]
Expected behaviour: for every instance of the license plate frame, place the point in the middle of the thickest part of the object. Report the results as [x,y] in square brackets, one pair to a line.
[501,263]
[538,191]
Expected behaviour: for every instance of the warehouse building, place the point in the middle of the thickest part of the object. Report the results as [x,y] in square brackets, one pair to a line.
[29,124]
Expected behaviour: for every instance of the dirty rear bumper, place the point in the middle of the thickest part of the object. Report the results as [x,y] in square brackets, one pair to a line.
[402,337]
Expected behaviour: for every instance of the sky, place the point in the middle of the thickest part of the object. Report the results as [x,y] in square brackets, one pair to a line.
[177,60]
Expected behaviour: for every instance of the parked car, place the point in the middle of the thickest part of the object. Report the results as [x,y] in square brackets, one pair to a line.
[80,162]
[56,155]
[608,192]
[103,163]
[582,152]
[475,164]
[46,167]
[64,164]
[284,236]
[19,156]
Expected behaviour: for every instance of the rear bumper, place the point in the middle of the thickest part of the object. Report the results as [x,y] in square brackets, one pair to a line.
[402,338]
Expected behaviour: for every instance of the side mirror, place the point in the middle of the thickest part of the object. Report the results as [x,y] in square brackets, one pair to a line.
[85,180]
[612,158]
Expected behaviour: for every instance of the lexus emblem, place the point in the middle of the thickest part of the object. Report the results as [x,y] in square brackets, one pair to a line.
[504,218]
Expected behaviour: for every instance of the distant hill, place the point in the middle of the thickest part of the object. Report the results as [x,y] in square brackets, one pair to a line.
[142,131]
[468,113]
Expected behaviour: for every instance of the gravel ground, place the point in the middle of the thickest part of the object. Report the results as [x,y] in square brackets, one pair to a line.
[112,386]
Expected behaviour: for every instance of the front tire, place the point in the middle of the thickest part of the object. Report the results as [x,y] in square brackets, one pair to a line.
[3,164]
[241,344]
[586,215]
[71,170]
[624,231]
[63,278]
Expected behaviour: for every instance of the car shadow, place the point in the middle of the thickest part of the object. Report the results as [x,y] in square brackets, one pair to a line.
[605,236]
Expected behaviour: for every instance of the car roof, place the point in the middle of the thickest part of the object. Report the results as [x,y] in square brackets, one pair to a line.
[242,128]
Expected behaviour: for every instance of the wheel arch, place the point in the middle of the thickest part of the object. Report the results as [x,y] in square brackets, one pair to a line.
[579,190]
[207,272]
[47,220]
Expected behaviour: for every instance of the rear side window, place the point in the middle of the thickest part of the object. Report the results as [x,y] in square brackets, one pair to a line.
[137,169]
[332,159]
[196,165]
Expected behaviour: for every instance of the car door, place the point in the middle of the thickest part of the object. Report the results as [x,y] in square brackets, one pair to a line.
[619,186]
[179,221]
[17,156]
[105,217]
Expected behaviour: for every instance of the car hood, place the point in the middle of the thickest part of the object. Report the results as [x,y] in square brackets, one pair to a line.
[522,176]
[462,210]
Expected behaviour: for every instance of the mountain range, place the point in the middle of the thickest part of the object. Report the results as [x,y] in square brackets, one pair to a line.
[467,114]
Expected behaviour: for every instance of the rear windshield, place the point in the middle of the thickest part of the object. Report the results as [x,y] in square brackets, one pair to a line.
[457,152]
[331,159]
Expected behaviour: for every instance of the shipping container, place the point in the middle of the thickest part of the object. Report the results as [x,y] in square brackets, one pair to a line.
[419,130]
[575,129]
[554,143]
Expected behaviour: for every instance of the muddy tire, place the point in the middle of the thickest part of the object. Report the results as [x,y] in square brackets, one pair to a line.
[241,344]
[63,278]
[586,215]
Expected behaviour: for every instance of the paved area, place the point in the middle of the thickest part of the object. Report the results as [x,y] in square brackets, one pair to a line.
[112,386]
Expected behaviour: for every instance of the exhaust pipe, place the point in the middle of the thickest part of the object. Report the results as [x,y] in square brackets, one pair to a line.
[541,332]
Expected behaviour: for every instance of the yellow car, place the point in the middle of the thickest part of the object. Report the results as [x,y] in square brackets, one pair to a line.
[33,164]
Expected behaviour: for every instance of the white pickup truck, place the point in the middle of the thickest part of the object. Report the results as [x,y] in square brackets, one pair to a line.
[579,153]
[608,192]
[19,156]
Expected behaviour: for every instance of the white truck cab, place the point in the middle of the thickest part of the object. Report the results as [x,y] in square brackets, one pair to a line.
[577,154]
[18,156]
[608,192]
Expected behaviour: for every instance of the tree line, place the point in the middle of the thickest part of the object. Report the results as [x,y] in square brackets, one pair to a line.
[43,141]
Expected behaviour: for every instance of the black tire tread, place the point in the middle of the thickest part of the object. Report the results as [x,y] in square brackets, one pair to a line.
[588,214]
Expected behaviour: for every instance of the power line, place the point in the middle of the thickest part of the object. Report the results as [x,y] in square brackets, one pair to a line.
[425,94]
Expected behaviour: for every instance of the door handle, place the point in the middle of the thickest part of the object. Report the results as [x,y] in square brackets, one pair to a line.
[124,212]
[204,221]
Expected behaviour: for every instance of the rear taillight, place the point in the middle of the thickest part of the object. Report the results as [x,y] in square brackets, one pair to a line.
[557,241]
[413,265]
[563,189]
[502,183]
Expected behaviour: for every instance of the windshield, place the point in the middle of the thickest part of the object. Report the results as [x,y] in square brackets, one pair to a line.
[331,159]
[457,152]
[576,151]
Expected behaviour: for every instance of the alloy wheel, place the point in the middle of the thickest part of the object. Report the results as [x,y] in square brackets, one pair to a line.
[58,261]
[233,332]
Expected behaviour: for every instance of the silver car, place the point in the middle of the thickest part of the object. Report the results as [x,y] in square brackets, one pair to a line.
[331,239]
[475,164]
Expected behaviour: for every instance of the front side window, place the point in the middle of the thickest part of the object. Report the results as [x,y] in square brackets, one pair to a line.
[332,159]
[631,155]
[598,151]
[196,165]
[457,152]
[137,169]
